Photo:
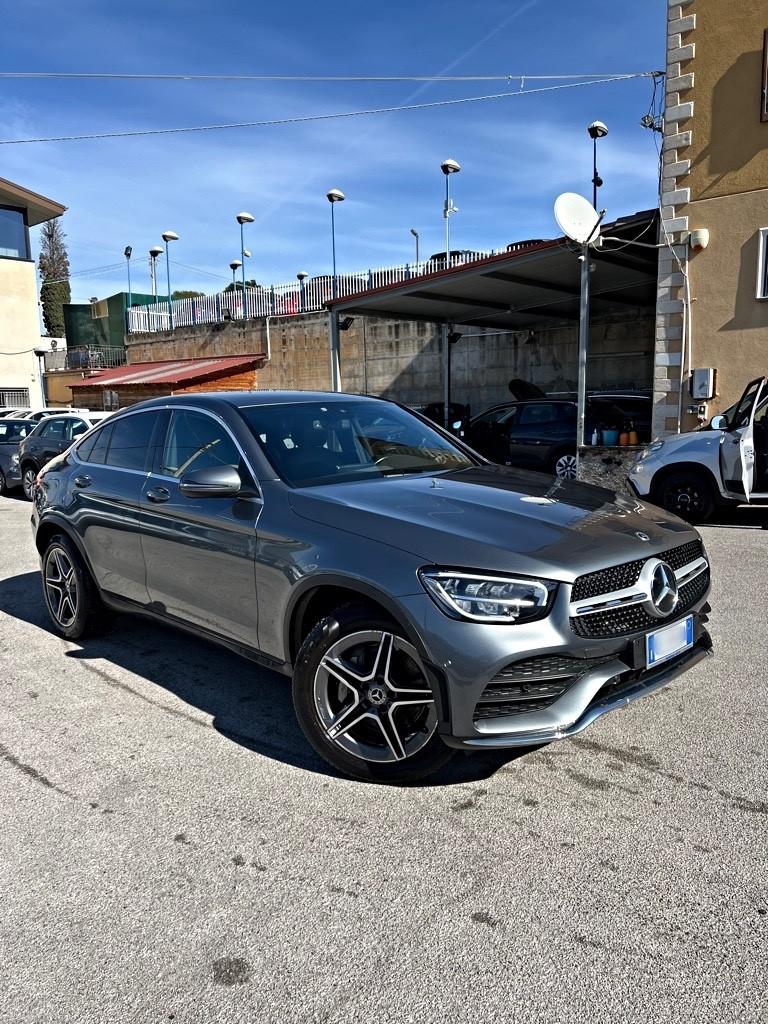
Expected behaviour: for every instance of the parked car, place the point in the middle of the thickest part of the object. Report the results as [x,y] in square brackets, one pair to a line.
[540,433]
[12,433]
[725,463]
[51,436]
[41,412]
[420,598]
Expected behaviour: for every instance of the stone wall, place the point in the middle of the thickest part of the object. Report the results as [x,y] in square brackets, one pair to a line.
[403,359]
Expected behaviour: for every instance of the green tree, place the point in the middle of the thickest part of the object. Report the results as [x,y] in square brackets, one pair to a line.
[238,286]
[185,294]
[53,263]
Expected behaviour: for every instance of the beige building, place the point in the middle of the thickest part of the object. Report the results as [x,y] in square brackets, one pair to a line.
[713,301]
[20,210]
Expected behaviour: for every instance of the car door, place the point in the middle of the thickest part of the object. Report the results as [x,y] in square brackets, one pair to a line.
[200,552]
[48,440]
[489,433]
[538,430]
[737,444]
[109,468]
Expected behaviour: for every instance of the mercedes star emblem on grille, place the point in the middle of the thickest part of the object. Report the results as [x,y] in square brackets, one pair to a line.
[664,592]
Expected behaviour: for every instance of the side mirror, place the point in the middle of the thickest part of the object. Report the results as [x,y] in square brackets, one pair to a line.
[719,423]
[214,482]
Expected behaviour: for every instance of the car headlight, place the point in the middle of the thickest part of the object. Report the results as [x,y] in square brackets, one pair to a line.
[14,459]
[654,446]
[482,597]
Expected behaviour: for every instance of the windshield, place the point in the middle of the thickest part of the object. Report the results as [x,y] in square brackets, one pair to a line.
[330,442]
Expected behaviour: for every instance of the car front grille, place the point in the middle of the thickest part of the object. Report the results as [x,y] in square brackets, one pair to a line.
[618,577]
[634,618]
[531,684]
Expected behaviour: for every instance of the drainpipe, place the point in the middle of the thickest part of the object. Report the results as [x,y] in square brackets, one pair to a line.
[269,343]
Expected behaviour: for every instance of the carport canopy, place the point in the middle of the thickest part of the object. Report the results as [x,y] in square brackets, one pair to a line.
[532,284]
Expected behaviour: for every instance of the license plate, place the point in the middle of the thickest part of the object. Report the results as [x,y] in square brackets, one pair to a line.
[667,642]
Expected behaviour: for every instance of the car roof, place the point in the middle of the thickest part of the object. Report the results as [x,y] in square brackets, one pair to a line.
[248,399]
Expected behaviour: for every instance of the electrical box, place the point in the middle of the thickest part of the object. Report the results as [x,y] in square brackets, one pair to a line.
[702,383]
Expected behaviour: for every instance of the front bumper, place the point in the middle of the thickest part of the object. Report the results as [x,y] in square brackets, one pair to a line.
[463,658]
[613,686]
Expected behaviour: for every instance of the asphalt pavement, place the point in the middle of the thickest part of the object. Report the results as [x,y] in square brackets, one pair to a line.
[171,849]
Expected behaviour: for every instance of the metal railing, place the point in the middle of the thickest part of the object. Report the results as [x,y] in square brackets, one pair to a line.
[85,358]
[289,299]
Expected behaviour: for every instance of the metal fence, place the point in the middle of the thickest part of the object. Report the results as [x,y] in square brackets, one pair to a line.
[308,296]
[85,358]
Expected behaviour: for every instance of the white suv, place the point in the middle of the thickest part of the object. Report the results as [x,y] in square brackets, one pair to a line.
[723,463]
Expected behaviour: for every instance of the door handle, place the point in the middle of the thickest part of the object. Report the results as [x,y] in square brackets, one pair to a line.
[158,494]
[82,481]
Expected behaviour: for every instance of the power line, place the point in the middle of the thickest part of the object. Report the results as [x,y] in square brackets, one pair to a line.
[329,117]
[117,75]
[197,270]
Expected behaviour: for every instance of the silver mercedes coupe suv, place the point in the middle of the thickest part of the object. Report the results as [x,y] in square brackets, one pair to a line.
[421,598]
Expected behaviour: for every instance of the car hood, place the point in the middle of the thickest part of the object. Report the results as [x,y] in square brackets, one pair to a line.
[496,518]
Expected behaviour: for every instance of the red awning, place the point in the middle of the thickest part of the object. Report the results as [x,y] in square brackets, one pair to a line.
[172,371]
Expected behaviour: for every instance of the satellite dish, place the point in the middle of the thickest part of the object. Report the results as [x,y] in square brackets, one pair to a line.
[577,218]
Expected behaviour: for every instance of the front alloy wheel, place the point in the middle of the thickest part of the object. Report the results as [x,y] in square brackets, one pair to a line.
[565,467]
[364,701]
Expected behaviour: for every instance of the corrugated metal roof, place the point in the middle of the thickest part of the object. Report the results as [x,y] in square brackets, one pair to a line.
[176,371]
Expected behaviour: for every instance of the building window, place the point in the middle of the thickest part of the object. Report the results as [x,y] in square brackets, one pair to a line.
[110,400]
[762,265]
[14,240]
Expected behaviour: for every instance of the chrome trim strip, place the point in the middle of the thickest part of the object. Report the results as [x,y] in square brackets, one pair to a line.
[631,595]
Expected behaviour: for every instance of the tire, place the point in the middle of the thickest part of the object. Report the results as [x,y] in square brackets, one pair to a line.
[3,487]
[375,700]
[70,595]
[28,477]
[686,494]
[564,465]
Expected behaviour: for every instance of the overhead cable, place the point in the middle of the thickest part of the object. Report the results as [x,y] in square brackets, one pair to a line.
[121,76]
[326,117]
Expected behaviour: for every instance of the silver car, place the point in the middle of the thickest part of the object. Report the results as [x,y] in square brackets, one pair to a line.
[725,463]
[420,598]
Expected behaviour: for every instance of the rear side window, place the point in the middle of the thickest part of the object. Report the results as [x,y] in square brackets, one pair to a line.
[129,445]
[94,448]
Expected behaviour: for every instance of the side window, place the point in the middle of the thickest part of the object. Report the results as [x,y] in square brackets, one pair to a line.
[196,441]
[55,429]
[95,447]
[75,429]
[129,445]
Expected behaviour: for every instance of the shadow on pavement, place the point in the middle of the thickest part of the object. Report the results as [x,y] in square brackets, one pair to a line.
[743,517]
[249,705]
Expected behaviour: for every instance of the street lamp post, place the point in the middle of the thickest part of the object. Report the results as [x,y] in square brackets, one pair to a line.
[415,234]
[597,130]
[449,167]
[127,253]
[243,218]
[334,196]
[169,236]
[302,277]
[233,266]
[154,252]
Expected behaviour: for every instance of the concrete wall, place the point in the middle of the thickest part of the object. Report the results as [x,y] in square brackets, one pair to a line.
[19,327]
[403,360]
[714,176]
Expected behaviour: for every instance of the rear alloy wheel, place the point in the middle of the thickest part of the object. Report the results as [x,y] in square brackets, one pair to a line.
[28,477]
[688,495]
[364,701]
[70,594]
[565,466]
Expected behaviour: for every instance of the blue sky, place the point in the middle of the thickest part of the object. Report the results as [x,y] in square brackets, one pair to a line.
[516,154]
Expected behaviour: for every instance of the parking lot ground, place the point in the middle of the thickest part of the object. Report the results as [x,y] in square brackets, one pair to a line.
[172,850]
